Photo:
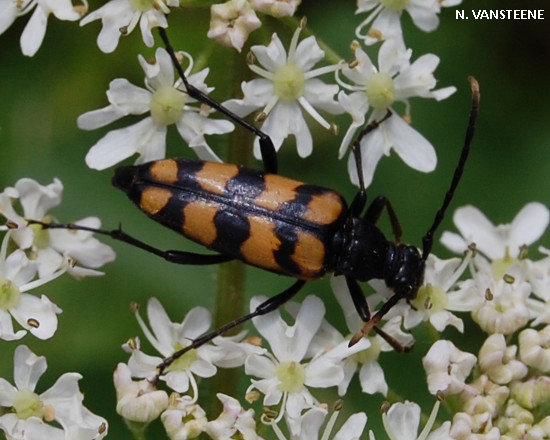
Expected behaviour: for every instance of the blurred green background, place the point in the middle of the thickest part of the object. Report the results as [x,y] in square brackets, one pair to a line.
[42,96]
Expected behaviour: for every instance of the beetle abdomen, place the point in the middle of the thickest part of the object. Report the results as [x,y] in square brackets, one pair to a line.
[266,220]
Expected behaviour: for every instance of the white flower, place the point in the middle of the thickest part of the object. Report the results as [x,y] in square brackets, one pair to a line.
[51,248]
[276,8]
[396,79]
[402,421]
[289,86]
[385,16]
[167,105]
[231,23]
[504,306]
[367,350]
[508,278]
[534,348]
[137,401]
[120,17]
[478,426]
[447,367]
[32,414]
[37,315]
[498,361]
[285,376]
[168,337]
[435,298]
[501,242]
[34,31]
[312,420]
[183,419]
[232,421]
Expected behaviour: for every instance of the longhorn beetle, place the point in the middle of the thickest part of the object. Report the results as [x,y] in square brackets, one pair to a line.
[279,224]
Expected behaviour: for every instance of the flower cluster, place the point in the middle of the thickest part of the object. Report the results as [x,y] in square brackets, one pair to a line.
[295,357]
[31,256]
[507,293]
[288,90]
[302,357]
[56,413]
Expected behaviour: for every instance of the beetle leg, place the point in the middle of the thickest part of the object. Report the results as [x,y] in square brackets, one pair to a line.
[267,306]
[360,199]
[358,298]
[375,210]
[363,311]
[173,256]
[267,149]
[396,345]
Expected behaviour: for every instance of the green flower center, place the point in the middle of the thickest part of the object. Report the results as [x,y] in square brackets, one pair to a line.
[292,376]
[183,362]
[41,235]
[430,298]
[167,105]
[289,82]
[142,5]
[370,354]
[380,91]
[499,267]
[27,404]
[394,5]
[9,294]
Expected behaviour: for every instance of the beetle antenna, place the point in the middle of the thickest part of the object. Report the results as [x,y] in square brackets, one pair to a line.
[428,239]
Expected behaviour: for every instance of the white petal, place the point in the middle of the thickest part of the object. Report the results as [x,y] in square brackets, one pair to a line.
[62,9]
[6,328]
[271,56]
[128,98]
[27,368]
[388,23]
[308,53]
[160,73]
[476,228]
[203,368]
[454,242]
[529,224]
[403,420]
[415,150]
[290,343]
[34,31]
[323,372]
[352,428]
[41,312]
[394,57]
[7,393]
[37,199]
[8,14]
[160,324]
[372,150]
[144,137]
[424,16]
[372,379]
[259,366]
[311,423]
[149,20]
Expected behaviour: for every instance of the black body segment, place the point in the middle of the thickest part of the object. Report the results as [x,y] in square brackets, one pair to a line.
[266,220]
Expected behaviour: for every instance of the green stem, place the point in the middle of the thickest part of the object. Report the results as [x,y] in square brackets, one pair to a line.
[230,300]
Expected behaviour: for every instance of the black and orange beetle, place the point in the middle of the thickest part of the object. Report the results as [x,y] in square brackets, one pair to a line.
[279,224]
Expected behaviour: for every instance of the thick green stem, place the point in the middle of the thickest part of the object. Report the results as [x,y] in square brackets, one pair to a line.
[230,300]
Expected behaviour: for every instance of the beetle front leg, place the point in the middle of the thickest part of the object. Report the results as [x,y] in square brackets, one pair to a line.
[375,210]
